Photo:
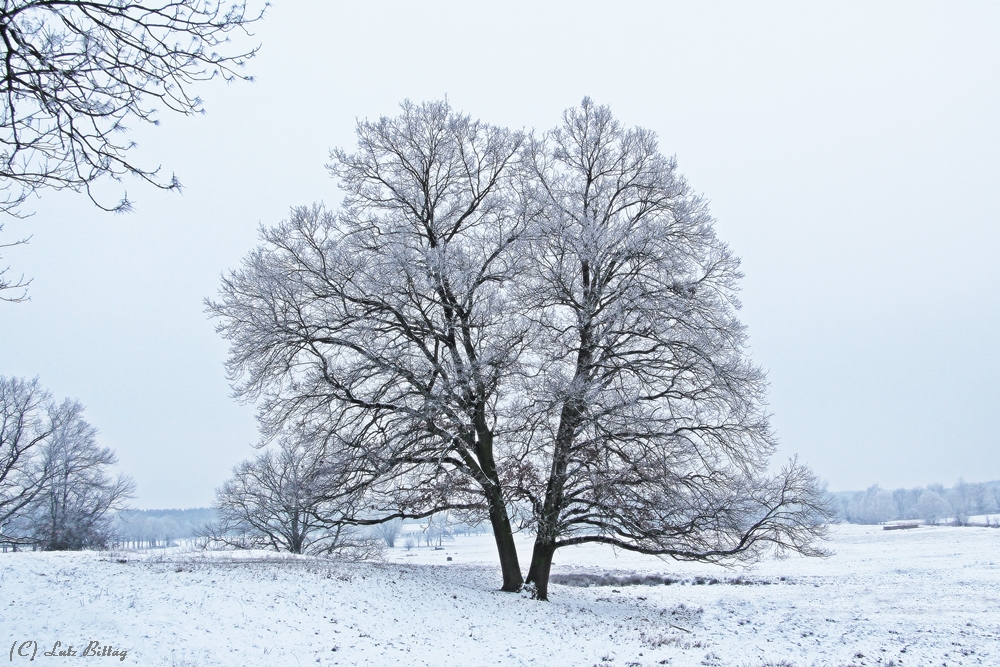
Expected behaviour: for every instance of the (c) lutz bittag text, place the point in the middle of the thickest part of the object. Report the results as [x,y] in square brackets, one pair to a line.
[94,649]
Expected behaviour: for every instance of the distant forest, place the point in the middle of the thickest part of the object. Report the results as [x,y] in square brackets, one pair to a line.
[161,528]
[933,503]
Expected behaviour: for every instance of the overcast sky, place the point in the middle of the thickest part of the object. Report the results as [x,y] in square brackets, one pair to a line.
[851,152]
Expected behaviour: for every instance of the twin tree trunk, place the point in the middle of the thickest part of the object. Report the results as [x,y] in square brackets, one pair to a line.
[504,536]
[541,566]
[548,523]
[499,518]
[570,420]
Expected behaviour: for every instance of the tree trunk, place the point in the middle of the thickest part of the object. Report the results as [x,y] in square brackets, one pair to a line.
[504,536]
[541,565]
[548,521]
[490,483]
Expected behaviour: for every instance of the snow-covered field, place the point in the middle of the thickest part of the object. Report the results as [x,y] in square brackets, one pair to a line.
[921,597]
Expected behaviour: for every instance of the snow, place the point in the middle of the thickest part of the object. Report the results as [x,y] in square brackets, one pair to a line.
[927,596]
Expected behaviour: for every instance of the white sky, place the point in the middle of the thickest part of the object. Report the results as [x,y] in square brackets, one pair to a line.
[851,152]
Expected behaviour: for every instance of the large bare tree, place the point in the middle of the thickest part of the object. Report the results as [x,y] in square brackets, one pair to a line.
[390,325]
[25,426]
[538,330]
[653,435]
[56,491]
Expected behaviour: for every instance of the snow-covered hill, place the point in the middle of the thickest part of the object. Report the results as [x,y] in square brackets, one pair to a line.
[928,596]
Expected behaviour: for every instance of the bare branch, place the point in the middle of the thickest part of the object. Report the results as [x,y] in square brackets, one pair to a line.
[74,73]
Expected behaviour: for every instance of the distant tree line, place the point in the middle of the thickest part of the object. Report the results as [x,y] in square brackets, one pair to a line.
[143,529]
[56,489]
[932,504]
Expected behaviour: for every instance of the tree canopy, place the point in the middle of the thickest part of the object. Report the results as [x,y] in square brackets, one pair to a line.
[538,330]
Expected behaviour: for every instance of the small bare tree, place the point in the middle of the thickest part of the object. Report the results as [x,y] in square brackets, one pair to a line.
[278,500]
[932,507]
[439,530]
[75,507]
[979,498]
[389,531]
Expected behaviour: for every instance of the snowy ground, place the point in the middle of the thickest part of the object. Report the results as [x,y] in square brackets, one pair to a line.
[921,597]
